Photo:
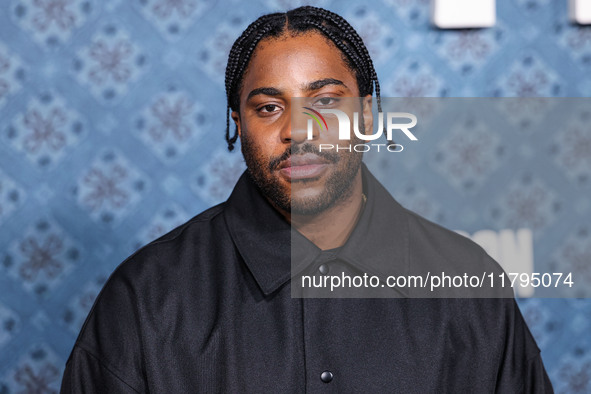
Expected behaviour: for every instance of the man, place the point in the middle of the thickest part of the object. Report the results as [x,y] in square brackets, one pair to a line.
[208,307]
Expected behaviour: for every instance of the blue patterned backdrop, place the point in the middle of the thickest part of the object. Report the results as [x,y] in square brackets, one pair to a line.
[105,107]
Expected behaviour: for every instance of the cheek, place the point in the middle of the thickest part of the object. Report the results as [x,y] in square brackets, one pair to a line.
[263,137]
[258,145]
[255,149]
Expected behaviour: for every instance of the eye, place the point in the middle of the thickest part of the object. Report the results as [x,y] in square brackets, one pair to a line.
[269,108]
[326,101]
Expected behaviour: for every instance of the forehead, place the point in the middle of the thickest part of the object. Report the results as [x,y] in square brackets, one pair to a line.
[296,58]
[311,40]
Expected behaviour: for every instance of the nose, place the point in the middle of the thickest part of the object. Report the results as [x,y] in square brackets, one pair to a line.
[298,128]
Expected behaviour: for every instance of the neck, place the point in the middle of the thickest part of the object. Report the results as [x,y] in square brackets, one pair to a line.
[331,228]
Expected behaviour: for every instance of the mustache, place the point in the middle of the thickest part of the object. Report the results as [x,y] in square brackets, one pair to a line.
[300,149]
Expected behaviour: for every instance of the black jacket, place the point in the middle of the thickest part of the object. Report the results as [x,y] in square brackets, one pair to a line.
[208,308]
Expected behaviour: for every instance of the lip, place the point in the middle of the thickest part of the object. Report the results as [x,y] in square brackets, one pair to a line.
[303,167]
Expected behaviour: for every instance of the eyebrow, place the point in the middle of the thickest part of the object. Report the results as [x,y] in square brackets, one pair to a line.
[319,84]
[265,91]
[322,83]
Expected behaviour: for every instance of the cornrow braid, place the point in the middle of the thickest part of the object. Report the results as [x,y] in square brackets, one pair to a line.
[299,20]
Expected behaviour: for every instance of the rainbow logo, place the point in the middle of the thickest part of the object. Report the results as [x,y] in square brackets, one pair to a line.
[315,115]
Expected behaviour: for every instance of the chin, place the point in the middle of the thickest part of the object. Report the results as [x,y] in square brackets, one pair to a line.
[311,205]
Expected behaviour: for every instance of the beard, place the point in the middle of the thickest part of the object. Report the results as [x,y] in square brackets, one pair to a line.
[338,185]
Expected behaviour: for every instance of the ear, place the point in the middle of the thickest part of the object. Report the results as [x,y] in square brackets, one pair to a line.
[367,114]
[236,118]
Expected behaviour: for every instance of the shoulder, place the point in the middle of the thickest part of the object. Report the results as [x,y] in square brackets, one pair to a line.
[459,266]
[429,245]
[138,292]
[441,239]
[430,241]
[173,261]
[175,249]
[191,227]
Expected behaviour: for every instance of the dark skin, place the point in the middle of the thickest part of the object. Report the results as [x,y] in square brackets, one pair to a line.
[321,196]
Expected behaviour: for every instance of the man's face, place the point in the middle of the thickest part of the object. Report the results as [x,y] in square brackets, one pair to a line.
[287,167]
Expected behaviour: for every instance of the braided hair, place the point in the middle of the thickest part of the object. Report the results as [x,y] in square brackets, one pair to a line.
[299,20]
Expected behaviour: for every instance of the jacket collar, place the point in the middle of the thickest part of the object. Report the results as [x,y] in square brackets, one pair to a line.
[261,234]
[379,244]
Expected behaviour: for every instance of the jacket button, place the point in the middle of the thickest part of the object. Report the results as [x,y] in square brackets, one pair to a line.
[326,376]
[323,269]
